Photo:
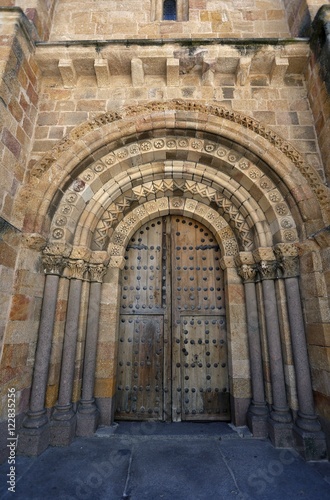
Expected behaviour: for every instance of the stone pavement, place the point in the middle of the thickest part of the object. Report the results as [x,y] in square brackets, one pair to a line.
[151,461]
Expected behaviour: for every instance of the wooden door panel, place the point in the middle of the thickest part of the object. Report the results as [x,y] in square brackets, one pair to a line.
[200,373]
[172,360]
[140,368]
[204,379]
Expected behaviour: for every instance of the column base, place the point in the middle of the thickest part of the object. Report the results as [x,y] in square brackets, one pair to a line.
[33,442]
[280,434]
[257,425]
[63,431]
[87,421]
[311,445]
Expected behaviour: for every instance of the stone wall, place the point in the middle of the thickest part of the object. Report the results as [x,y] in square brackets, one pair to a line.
[268,86]
[48,89]
[318,82]
[21,289]
[207,18]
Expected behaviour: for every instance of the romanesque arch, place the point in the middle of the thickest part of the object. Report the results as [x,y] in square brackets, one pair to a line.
[243,182]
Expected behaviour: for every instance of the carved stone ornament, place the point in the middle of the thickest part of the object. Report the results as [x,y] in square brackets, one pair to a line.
[33,241]
[97,272]
[117,262]
[289,267]
[288,260]
[267,269]
[58,249]
[248,272]
[247,122]
[53,264]
[77,269]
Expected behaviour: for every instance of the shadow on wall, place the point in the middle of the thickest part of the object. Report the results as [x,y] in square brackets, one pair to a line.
[320,42]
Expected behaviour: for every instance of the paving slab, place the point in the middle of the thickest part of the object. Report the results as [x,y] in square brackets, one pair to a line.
[151,461]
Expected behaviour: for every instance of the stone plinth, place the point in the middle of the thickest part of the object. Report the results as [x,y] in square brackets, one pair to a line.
[280,434]
[311,445]
[33,442]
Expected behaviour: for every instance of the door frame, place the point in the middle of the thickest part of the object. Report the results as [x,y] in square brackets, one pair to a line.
[168,315]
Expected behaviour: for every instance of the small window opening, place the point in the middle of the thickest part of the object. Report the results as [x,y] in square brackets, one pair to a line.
[169,10]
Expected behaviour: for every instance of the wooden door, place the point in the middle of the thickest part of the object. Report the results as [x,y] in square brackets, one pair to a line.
[172,359]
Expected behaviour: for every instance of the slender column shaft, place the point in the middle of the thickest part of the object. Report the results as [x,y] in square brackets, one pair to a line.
[307,419]
[280,411]
[69,349]
[40,374]
[258,390]
[91,342]
[258,410]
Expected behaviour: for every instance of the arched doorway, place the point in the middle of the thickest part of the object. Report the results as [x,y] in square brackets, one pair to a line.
[236,183]
[172,355]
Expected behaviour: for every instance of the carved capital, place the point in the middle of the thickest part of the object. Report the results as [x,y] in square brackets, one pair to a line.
[53,264]
[288,260]
[248,272]
[97,272]
[289,267]
[267,269]
[76,268]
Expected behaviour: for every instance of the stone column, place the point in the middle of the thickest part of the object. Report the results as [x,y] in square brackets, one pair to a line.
[34,436]
[258,411]
[237,343]
[88,413]
[309,439]
[280,421]
[63,424]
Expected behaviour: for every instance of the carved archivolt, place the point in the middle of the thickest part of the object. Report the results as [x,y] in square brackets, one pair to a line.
[246,122]
[163,206]
[108,188]
[158,188]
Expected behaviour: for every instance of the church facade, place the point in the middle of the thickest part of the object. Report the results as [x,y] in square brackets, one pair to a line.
[164,226]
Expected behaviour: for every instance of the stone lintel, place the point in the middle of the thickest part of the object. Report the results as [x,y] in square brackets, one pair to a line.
[68,73]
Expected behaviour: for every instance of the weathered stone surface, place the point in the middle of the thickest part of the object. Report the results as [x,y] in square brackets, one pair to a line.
[118,120]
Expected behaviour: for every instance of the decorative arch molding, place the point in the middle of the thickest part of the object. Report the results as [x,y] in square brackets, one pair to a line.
[94,140]
[217,166]
[165,206]
[96,201]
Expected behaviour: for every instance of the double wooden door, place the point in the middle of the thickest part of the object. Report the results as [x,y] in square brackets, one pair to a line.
[172,355]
